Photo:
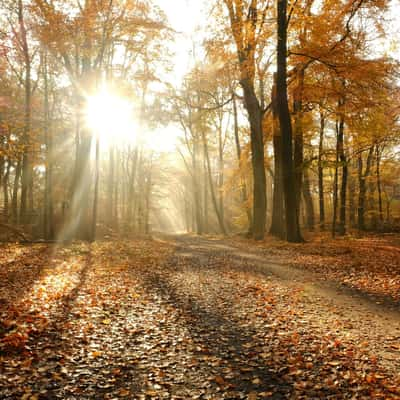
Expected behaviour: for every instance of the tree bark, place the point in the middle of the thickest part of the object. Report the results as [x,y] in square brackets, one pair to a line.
[48,224]
[379,182]
[352,196]
[321,173]
[14,200]
[343,162]
[257,158]
[221,174]
[243,189]
[362,182]
[131,190]
[292,219]
[206,224]
[308,201]
[116,212]
[26,178]
[298,136]
[110,189]
[148,197]
[96,191]
[6,177]
[211,184]
[278,222]
[196,190]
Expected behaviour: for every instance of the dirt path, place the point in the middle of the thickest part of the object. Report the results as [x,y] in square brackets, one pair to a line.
[185,318]
[376,325]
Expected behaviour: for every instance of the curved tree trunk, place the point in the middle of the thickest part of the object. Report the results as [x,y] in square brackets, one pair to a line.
[257,159]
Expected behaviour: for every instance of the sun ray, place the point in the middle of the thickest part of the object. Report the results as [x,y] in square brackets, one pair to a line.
[111,118]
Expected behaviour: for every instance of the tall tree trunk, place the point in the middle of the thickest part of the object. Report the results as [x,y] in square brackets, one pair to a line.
[298,135]
[14,200]
[77,142]
[243,190]
[148,198]
[206,226]
[335,184]
[373,217]
[196,189]
[257,158]
[362,182]
[321,172]
[278,221]
[211,184]
[221,173]
[6,177]
[2,162]
[343,162]
[352,196]
[136,192]
[115,211]
[26,177]
[96,191]
[308,201]
[131,190]
[292,219]
[110,188]
[379,182]
[81,207]
[186,210]
[48,191]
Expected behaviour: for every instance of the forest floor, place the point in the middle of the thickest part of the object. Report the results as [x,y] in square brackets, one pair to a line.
[201,318]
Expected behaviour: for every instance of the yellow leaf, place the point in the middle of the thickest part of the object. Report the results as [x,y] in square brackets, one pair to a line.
[220,380]
[334,363]
[124,392]
[106,321]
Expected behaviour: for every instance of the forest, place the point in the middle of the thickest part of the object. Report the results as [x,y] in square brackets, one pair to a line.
[199,199]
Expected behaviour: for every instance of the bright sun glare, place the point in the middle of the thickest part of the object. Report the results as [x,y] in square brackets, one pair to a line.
[111,118]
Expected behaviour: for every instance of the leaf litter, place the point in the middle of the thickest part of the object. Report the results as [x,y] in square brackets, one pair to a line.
[151,319]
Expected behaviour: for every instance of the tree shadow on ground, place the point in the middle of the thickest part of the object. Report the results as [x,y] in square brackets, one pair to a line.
[224,337]
[73,359]
[19,275]
[218,336]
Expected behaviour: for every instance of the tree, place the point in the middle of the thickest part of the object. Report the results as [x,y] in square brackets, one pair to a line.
[291,211]
[247,19]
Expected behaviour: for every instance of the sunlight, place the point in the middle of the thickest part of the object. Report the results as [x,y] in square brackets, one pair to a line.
[111,118]
[162,140]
